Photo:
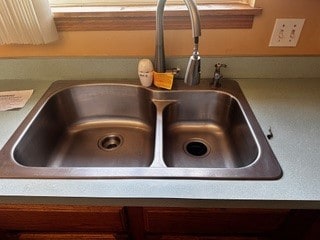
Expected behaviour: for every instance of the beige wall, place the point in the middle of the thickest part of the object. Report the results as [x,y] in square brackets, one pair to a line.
[217,42]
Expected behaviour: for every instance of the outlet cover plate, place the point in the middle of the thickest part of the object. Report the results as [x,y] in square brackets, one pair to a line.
[286,32]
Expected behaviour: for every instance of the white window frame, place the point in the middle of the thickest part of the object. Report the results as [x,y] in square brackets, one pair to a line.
[101,17]
[82,3]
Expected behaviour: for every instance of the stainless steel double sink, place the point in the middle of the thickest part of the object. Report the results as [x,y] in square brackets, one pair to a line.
[90,129]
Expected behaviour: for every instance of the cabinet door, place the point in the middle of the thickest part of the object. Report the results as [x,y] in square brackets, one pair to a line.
[64,236]
[184,237]
[57,218]
[212,221]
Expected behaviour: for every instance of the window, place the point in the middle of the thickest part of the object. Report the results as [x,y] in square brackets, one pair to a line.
[134,2]
[95,15]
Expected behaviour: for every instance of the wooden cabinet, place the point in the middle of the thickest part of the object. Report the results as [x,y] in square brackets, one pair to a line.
[35,222]
[58,222]
[212,221]
[224,224]
[63,236]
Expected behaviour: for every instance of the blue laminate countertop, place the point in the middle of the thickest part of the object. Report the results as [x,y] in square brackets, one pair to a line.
[291,107]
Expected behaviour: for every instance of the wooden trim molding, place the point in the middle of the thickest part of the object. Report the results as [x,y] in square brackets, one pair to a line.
[213,16]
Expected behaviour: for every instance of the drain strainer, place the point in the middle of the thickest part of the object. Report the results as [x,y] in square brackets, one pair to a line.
[196,148]
[110,142]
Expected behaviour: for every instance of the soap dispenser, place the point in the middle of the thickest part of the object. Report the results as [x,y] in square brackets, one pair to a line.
[145,72]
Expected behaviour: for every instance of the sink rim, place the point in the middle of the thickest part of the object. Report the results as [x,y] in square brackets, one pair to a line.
[9,168]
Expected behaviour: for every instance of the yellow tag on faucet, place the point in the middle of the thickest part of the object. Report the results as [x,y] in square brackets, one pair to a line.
[163,80]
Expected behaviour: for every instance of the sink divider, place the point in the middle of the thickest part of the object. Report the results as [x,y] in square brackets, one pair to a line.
[158,161]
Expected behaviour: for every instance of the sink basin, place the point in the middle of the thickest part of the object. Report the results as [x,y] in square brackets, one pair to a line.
[207,130]
[91,126]
[87,129]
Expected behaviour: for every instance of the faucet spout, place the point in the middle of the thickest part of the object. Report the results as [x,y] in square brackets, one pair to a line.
[192,76]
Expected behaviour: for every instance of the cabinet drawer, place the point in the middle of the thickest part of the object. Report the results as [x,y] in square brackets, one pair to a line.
[212,221]
[56,218]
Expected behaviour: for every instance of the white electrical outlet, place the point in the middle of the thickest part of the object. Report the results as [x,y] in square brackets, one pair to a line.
[286,32]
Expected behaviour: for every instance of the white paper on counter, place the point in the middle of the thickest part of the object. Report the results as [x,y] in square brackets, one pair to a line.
[14,99]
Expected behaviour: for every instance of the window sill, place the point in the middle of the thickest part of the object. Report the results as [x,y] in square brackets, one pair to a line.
[143,18]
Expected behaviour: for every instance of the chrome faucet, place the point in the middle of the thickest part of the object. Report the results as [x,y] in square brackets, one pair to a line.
[192,76]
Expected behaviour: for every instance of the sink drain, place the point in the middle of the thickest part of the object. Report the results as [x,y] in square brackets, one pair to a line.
[110,142]
[197,148]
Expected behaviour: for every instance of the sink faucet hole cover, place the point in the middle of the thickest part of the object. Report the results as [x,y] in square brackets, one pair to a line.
[110,142]
[196,147]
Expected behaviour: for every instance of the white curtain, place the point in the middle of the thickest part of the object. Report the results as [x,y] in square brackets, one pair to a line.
[26,22]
